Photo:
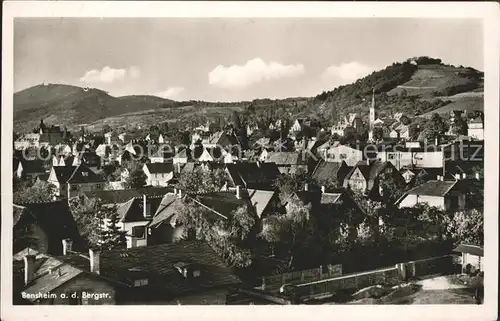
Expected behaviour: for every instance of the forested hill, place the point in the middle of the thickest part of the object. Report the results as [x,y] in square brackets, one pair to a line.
[416,86]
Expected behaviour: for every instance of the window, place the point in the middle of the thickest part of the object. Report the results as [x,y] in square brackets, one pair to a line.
[343,156]
[85,174]
[74,187]
[388,170]
[391,156]
[139,231]
[196,273]
[141,282]
[74,300]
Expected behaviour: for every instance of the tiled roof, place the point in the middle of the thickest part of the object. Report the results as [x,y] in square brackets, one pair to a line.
[470,249]
[121,196]
[63,173]
[433,188]
[260,200]
[82,174]
[132,210]
[156,168]
[286,158]
[166,210]
[328,170]
[330,198]
[158,262]
[222,203]
[252,175]
[32,166]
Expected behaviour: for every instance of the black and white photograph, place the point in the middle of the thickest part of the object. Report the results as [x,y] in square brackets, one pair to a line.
[213,158]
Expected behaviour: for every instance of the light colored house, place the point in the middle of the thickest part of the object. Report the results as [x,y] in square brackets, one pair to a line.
[419,157]
[73,180]
[351,154]
[476,128]
[472,257]
[62,160]
[288,162]
[447,195]
[111,138]
[181,157]
[134,215]
[28,140]
[298,125]
[158,174]
[205,156]
[366,177]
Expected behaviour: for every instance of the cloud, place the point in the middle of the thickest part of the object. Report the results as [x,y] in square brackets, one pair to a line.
[253,71]
[171,92]
[109,75]
[346,73]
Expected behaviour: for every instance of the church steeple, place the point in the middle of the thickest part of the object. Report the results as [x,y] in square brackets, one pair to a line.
[372,117]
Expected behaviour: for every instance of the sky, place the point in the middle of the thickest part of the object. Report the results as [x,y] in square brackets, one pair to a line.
[222,59]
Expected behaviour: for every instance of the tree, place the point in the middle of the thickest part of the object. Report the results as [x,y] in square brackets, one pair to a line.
[40,192]
[435,127]
[290,183]
[460,126]
[378,133]
[112,236]
[202,181]
[271,231]
[467,226]
[136,178]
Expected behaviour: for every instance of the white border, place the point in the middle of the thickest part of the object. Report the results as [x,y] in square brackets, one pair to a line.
[488,11]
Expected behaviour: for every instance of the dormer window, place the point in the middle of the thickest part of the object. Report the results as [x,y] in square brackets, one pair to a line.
[85,173]
[187,270]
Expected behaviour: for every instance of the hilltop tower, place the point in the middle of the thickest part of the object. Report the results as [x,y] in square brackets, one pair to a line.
[372,117]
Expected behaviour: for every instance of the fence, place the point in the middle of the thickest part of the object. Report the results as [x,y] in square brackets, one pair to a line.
[389,276]
[385,276]
[275,282]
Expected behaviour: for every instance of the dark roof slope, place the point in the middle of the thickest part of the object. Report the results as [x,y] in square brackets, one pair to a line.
[433,188]
[156,168]
[327,170]
[223,203]
[470,249]
[82,174]
[32,166]
[123,195]
[133,210]
[158,263]
[63,173]
[253,175]
[54,218]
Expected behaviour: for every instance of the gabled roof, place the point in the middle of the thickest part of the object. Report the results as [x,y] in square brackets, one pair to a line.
[260,200]
[32,166]
[54,218]
[82,174]
[252,175]
[286,158]
[433,188]
[470,249]
[133,211]
[63,173]
[328,170]
[158,262]
[44,281]
[166,210]
[158,168]
[222,204]
[124,195]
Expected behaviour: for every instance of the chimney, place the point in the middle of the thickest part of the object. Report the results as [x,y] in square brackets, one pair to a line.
[175,191]
[67,246]
[131,242]
[178,167]
[29,268]
[464,175]
[457,176]
[238,191]
[477,176]
[258,164]
[323,189]
[179,193]
[436,141]
[146,208]
[438,177]
[306,187]
[94,256]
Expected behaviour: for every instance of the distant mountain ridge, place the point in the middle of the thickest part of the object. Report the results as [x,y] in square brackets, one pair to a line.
[416,86]
[72,105]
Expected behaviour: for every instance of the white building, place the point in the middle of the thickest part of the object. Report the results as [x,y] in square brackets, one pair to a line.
[476,129]
[158,174]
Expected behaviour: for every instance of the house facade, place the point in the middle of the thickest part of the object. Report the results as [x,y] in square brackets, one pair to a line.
[158,174]
[447,195]
[471,258]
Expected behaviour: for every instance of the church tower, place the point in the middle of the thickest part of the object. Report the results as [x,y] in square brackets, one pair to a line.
[372,117]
